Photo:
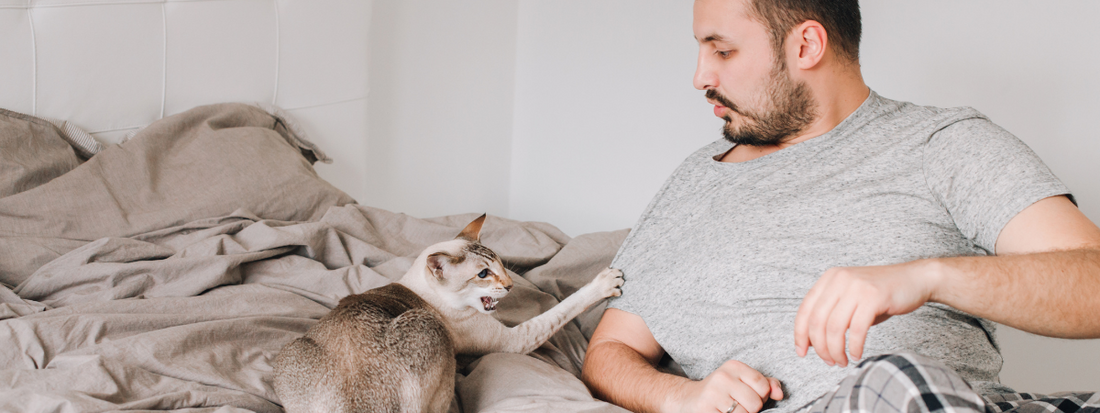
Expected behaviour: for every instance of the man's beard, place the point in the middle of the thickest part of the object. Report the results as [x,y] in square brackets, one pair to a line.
[791,109]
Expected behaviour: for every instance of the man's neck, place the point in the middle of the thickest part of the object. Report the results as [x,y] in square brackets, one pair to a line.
[842,98]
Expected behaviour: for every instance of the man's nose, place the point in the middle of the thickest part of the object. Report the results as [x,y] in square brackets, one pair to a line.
[705,77]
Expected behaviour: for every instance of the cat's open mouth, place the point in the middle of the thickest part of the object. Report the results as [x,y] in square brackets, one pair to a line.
[489,303]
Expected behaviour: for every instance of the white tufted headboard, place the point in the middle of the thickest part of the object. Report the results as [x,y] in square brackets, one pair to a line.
[113,66]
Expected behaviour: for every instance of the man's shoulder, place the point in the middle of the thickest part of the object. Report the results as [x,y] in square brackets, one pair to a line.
[904,114]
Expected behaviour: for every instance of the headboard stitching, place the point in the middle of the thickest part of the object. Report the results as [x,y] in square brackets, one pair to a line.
[278,47]
[164,62]
[34,64]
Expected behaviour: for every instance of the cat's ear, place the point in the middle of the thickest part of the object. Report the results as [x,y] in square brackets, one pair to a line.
[438,262]
[472,232]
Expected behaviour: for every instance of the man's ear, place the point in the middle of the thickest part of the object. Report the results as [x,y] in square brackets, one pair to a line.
[438,263]
[811,41]
[472,232]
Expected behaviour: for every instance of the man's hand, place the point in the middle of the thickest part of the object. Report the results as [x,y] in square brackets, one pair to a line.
[856,298]
[733,381]
[1050,247]
[620,368]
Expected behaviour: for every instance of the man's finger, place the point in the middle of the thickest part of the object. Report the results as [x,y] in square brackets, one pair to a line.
[839,320]
[746,398]
[802,320]
[776,389]
[758,383]
[819,319]
[862,321]
[748,376]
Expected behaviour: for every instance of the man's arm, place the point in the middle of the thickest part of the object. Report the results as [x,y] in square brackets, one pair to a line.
[1043,280]
[619,367]
[1047,271]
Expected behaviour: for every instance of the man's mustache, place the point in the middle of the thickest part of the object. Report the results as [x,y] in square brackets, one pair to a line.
[713,94]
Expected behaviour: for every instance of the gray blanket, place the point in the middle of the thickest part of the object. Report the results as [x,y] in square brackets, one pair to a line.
[167,272]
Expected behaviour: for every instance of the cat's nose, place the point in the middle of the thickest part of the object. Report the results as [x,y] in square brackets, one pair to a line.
[508,287]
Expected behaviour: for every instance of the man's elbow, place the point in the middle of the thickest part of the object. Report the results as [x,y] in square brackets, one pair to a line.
[595,360]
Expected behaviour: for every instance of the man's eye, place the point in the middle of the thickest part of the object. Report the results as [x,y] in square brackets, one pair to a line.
[484,273]
[723,53]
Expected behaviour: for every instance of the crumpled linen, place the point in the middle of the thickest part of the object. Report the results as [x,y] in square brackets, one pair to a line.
[172,301]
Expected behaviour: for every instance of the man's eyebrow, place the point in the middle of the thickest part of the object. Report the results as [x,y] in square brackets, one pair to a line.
[712,38]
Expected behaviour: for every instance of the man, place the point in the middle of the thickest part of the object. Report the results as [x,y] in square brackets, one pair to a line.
[872,229]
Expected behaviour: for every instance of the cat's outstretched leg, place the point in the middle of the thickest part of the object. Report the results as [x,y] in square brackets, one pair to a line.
[532,333]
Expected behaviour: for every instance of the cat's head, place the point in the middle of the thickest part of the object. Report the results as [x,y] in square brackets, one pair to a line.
[466,273]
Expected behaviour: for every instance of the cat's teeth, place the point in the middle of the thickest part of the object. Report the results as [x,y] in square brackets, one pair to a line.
[489,303]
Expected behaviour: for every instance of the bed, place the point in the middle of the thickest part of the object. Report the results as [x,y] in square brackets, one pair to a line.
[167,272]
[164,231]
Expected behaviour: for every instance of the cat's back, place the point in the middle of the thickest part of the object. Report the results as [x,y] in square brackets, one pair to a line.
[391,319]
[385,350]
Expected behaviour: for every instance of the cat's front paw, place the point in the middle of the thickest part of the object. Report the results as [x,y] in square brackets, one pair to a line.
[609,282]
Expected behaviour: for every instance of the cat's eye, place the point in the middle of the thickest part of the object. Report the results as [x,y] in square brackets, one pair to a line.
[484,273]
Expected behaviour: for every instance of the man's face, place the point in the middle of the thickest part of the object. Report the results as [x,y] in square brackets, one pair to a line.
[750,88]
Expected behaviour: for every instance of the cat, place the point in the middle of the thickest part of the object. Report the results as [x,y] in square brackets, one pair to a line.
[393,348]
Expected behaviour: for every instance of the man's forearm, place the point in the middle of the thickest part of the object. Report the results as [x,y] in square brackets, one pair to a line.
[616,373]
[1048,293]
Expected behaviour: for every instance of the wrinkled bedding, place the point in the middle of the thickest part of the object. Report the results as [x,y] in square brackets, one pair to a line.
[167,272]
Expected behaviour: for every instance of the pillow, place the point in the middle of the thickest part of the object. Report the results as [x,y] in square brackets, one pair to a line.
[85,145]
[32,152]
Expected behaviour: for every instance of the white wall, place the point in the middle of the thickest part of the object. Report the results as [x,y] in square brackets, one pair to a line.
[440,107]
[604,109]
[574,112]
[512,107]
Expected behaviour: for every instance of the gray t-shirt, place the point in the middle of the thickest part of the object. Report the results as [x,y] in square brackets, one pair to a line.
[721,259]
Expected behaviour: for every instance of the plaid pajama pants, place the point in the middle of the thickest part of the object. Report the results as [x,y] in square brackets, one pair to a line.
[909,383]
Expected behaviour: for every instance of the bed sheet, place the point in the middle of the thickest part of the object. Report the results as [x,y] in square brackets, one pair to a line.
[165,274]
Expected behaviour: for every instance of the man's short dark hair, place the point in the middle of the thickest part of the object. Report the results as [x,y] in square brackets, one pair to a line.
[840,18]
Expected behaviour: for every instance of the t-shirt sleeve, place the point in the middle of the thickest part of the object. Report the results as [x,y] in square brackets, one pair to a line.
[984,176]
